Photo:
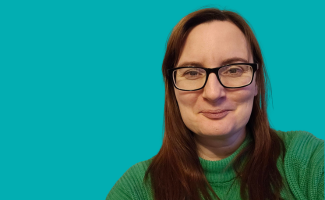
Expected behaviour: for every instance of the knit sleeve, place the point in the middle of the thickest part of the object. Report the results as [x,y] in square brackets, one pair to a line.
[321,188]
[304,165]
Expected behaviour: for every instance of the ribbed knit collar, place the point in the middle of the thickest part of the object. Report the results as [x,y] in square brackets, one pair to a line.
[216,171]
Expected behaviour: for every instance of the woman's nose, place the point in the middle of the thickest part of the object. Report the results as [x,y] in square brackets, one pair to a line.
[213,90]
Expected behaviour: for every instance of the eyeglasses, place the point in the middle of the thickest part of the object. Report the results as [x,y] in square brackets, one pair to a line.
[235,75]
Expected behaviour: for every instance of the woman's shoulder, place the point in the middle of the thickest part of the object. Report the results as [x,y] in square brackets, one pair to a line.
[302,146]
[131,183]
[139,169]
[136,172]
[300,140]
[304,163]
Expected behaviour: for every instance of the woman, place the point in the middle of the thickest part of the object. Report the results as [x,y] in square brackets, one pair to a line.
[218,143]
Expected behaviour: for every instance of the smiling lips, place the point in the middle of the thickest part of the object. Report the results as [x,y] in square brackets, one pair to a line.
[215,114]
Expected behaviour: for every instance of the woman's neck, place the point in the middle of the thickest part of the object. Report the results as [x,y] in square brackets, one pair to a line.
[215,148]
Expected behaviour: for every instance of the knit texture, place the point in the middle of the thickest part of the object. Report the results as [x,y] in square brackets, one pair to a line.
[302,172]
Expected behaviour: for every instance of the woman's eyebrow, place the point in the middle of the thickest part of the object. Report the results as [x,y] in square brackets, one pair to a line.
[234,60]
[224,62]
[195,64]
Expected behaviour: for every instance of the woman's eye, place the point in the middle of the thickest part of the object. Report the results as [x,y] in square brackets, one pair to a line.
[233,71]
[192,73]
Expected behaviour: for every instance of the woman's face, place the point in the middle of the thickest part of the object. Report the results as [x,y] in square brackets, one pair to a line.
[215,110]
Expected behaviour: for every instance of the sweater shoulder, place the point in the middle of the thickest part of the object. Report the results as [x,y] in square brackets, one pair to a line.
[302,144]
[296,137]
[135,174]
[131,185]
[304,163]
[302,147]
[138,170]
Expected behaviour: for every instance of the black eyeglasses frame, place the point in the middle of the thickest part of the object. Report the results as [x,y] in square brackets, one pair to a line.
[215,71]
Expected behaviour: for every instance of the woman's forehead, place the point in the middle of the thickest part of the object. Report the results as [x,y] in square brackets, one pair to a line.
[215,42]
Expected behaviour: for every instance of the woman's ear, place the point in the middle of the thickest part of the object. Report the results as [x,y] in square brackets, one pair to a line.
[256,89]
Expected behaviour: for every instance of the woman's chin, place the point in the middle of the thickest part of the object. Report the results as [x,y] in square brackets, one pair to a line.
[214,132]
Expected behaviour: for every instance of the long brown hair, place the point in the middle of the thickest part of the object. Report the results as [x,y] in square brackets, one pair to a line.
[176,172]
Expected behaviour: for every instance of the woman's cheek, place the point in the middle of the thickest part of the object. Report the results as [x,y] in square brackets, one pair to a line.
[186,99]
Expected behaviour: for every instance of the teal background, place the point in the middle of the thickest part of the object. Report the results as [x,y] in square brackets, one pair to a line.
[82,93]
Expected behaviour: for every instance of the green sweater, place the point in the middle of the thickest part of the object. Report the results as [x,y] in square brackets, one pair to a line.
[302,170]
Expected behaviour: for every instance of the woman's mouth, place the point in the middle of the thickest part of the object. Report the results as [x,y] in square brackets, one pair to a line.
[217,114]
